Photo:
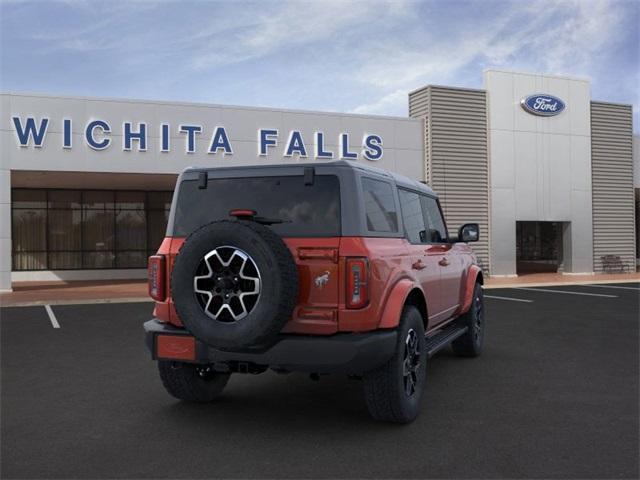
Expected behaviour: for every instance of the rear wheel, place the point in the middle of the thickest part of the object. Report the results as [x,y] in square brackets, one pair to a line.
[393,391]
[470,344]
[192,383]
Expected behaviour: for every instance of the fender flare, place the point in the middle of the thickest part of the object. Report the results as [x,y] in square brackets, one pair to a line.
[472,276]
[395,303]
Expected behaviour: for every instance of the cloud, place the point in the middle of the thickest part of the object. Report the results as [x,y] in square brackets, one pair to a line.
[394,103]
[291,24]
[550,37]
[586,29]
[360,56]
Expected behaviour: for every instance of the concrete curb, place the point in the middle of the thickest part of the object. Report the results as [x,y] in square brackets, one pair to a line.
[561,284]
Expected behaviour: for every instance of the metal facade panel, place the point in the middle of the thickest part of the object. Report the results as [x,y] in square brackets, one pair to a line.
[456,152]
[419,108]
[612,179]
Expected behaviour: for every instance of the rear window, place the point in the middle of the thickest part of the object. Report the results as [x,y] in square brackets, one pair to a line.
[306,210]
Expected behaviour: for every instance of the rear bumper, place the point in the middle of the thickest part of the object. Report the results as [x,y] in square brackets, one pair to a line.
[349,353]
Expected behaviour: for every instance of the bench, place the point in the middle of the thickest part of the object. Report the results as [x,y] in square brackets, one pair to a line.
[613,263]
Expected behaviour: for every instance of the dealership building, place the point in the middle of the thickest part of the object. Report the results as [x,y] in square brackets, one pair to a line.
[547,172]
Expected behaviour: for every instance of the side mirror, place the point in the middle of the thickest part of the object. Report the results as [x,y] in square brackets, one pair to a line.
[469,232]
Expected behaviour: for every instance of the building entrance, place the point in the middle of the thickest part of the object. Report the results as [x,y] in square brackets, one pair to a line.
[538,247]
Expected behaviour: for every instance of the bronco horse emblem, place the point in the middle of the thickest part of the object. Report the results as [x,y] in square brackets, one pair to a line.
[322,280]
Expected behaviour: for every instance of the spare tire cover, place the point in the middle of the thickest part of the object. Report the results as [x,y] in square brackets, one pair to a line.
[234,284]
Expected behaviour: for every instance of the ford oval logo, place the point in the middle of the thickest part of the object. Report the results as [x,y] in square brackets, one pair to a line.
[542,104]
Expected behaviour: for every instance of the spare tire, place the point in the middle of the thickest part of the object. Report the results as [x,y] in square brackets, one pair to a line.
[234,284]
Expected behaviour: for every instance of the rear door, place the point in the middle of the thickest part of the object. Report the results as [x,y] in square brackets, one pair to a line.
[424,259]
[449,265]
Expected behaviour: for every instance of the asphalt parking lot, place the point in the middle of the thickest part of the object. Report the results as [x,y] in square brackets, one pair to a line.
[555,395]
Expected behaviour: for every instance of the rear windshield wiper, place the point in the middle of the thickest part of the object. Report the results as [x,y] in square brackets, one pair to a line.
[269,221]
[252,215]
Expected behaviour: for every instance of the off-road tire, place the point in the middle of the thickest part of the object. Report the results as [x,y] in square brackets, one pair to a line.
[278,284]
[192,383]
[470,344]
[384,388]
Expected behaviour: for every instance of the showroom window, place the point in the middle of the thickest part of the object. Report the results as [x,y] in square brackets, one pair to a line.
[86,229]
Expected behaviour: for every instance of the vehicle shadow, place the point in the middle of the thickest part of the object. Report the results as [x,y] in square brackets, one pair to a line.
[293,403]
[269,400]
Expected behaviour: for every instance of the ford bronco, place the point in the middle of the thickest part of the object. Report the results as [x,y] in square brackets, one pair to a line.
[333,267]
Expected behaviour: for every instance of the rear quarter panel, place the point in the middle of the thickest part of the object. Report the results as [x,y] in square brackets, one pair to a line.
[389,263]
[165,311]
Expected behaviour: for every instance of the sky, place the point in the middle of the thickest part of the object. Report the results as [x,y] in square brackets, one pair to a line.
[338,55]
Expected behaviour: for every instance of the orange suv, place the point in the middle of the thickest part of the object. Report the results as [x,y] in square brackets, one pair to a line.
[323,268]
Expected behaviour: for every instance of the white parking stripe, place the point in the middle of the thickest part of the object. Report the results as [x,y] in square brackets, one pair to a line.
[52,317]
[567,292]
[610,286]
[507,298]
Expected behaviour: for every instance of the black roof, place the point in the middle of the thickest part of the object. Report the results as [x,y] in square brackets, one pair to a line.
[397,178]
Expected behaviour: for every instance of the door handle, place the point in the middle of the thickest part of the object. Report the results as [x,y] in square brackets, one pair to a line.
[443,262]
[418,265]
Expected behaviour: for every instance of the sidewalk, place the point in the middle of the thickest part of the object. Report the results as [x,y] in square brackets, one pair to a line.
[120,291]
[551,279]
[56,293]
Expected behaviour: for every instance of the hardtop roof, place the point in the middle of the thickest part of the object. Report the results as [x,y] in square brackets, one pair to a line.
[400,180]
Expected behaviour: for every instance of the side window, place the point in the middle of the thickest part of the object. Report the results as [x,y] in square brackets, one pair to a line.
[436,230]
[380,207]
[412,216]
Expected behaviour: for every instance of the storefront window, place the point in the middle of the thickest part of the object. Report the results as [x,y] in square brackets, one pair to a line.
[64,199]
[131,230]
[90,229]
[156,226]
[29,238]
[29,198]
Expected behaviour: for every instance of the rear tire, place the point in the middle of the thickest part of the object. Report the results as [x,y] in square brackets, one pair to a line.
[393,392]
[192,383]
[470,344]
[208,284]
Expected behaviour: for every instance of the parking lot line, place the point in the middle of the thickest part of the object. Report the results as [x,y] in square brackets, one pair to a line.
[610,286]
[567,292]
[508,298]
[52,317]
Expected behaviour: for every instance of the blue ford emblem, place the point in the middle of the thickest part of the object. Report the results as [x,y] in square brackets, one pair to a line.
[542,104]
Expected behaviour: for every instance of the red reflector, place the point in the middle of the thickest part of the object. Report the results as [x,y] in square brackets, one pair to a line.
[156,277]
[317,314]
[314,253]
[176,347]
[357,282]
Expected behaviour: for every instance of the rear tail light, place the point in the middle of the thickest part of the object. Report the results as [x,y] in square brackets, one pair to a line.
[357,282]
[156,274]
